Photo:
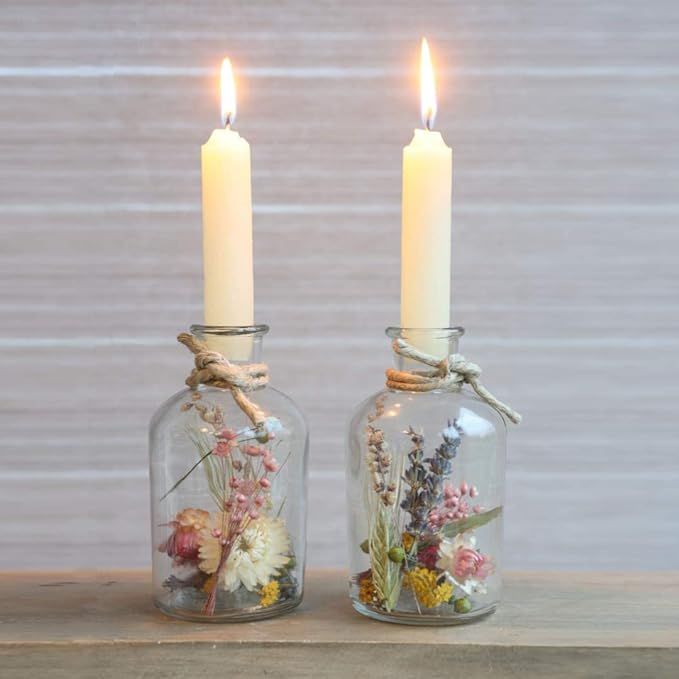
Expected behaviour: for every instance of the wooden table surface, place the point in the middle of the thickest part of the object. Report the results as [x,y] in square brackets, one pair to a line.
[563,120]
[567,625]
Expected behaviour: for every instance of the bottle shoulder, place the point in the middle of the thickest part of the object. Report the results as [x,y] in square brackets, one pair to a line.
[169,407]
[276,399]
[272,400]
[394,409]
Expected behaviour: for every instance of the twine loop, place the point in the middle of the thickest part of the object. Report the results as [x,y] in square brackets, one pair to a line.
[213,370]
[448,374]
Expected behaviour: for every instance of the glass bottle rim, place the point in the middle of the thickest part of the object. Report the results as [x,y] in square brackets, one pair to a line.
[394,332]
[257,330]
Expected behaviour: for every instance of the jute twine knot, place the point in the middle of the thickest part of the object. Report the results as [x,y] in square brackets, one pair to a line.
[448,374]
[213,370]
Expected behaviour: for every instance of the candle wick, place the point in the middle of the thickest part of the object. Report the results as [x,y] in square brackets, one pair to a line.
[428,121]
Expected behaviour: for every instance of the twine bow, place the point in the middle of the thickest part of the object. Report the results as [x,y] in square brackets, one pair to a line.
[448,374]
[212,369]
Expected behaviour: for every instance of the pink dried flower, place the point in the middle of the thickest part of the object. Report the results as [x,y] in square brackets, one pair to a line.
[228,434]
[247,487]
[265,483]
[270,464]
[473,491]
[222,449]
[254,451]
[464,488]
[468,563]
[183,543]
[451,502]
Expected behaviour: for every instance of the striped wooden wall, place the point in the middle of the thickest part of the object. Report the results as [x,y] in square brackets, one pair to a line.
[563,119]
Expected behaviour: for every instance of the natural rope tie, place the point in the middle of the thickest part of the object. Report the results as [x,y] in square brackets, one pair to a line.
[448,374]
[213,370]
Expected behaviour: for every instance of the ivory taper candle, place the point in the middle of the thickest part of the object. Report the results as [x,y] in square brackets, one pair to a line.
[425,228]
[227,218]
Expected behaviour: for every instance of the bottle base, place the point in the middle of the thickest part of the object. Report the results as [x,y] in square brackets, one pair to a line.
[424,619]
[232,615]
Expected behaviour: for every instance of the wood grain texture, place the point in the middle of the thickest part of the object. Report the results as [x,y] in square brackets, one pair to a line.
[567,625]
[562,117]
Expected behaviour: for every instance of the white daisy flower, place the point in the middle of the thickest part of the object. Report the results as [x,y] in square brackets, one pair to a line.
[257,555]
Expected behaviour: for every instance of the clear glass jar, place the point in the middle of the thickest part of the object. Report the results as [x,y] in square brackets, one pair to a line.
[425,483]
[228,499]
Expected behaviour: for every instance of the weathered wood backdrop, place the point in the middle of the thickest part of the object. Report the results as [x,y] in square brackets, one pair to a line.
[563,119]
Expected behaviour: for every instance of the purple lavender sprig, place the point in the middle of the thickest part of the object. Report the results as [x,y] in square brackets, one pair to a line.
[415,500]
[379,461]
[441,464]
[425,476]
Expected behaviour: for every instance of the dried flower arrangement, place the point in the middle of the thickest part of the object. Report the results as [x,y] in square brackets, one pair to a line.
[421,541]
[239,552]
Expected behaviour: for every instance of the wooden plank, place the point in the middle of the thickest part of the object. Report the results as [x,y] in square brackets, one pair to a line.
[570,625]
[562,116]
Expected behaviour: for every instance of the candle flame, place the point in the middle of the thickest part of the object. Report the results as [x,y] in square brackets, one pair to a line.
[427,87]
[228,94]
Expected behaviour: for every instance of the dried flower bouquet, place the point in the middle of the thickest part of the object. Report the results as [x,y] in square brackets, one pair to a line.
[422,545]
[237,552]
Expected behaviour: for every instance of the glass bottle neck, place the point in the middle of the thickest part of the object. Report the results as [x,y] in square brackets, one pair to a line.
[238,344]
[438,342]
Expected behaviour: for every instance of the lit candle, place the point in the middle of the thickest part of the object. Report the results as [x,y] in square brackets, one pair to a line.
[425,228]
[227,218]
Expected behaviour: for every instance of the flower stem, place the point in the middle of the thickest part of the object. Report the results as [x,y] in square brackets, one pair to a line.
[238,521]
[209,607]
[188,473]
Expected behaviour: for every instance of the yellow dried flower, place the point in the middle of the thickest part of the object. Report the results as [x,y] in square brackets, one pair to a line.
[408,540]
[195,518]
[269,593]
[367,592]
[423,582]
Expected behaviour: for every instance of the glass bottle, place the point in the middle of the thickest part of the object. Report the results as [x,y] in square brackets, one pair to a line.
[425,480]
[228,499]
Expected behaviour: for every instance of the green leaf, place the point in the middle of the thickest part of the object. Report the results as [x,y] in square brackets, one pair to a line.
[450,530]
